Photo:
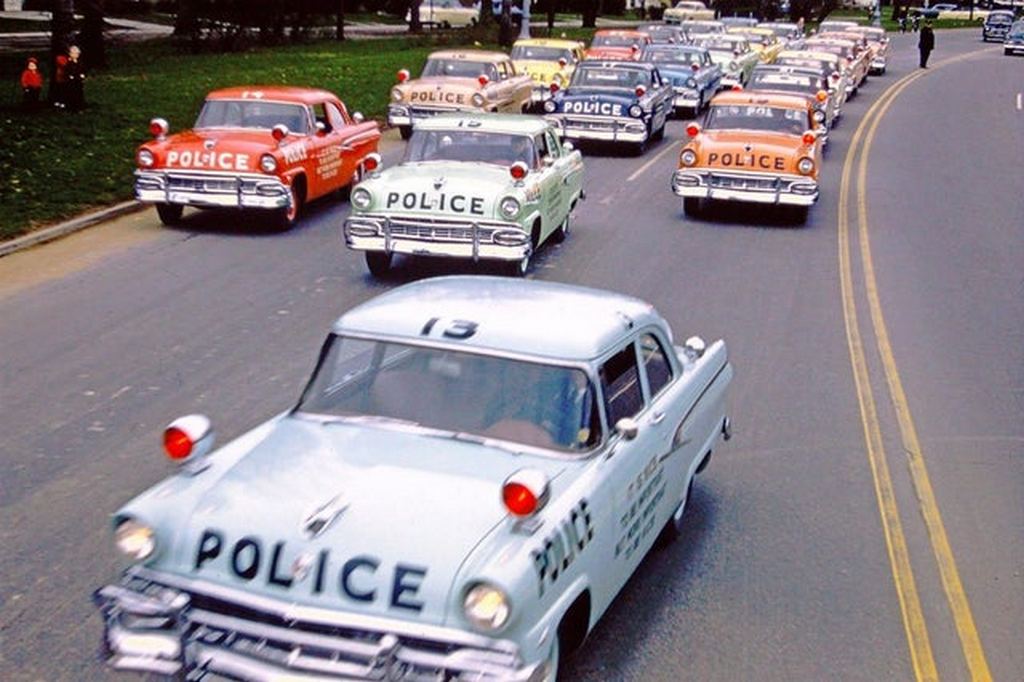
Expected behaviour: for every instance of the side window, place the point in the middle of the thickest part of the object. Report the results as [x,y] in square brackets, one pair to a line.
[620,383]
[541,142]
[656,365]
[335,120]
[320,116]
[555,149]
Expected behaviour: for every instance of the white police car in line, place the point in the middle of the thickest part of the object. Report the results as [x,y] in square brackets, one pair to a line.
[474,470]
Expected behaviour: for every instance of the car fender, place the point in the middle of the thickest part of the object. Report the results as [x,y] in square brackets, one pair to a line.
[540,636]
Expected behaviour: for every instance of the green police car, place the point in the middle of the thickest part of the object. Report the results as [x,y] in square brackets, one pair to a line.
[472,186]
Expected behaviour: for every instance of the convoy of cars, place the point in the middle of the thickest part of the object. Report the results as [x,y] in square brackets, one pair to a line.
[496,403]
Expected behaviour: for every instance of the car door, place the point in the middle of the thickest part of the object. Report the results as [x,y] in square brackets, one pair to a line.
[568,169]
[663,97]
[521,87]
[634,470]
[550,184]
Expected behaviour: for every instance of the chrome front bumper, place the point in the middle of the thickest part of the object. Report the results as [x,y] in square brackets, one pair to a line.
[757,188]
[404,115]
[600,128]
[211,190]
[878,65]
[685,97]
[429,236]
[170,625]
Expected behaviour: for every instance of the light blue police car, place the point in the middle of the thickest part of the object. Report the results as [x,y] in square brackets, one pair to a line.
[476,467]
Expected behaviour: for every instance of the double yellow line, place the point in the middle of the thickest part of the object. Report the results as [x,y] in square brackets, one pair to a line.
[922,660]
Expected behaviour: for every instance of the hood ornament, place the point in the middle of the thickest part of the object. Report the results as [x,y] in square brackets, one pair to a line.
[748,147]
[439,182]
[323,516]
[208,145]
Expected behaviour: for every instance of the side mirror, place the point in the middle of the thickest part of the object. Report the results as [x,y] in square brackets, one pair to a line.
[548,161]
[627,428]
[321,128]
[695,347]
[568,146]
[358,117]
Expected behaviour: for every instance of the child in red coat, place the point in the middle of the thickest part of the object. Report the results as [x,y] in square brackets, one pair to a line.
[31,84]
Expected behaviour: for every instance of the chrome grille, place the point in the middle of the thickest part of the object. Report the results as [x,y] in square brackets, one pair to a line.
[744,182]
[195,183]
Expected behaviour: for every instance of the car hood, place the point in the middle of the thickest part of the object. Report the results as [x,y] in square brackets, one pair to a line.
[436,185]
[400,512]
[222,149]
[679,74]
[602,101]
[445,90]
[724,58]
[750,150]
[541,70]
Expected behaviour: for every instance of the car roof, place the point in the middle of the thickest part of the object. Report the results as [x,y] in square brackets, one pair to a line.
[612,64]
[524,317]
[618,32]
[499,123]
[549,42]
[474,55]
[753,97]
[276,93]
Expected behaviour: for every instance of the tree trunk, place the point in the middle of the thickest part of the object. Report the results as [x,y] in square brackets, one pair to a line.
[185,20]
[590,12]
[94,52]
[60,37]
[486,11]
[505,24]
[339,29]
[414,17]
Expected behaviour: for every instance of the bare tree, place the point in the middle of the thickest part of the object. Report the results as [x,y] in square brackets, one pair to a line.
[60,38]
[93,45]
[415,26]
[590,12]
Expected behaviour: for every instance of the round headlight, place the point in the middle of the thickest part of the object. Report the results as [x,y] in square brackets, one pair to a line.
[819,115]
[361,198]
[550,106]
[509,207]
[146,158]
[635,111]
[268,163]
[478,100]
[486,607]
[733,66]
[396,94]
[805,165]
[135,540]
[691,82]
[688,157]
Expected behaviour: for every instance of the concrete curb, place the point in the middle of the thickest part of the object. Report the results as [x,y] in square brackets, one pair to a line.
[74,225]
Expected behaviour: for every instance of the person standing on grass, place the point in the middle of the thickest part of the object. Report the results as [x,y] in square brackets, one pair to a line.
[58,86]
[75,75]
[31,85]
[926,43]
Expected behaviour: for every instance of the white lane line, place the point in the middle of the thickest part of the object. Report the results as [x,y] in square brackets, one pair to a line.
[1020,101]
[639,171]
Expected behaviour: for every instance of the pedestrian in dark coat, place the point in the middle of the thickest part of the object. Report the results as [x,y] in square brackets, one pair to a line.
[926,43]
[58,86]
[75,75]
[31,85]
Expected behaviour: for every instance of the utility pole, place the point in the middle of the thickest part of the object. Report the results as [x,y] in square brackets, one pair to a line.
[524,28]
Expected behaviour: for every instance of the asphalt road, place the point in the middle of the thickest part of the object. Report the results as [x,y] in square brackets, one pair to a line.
[784,572]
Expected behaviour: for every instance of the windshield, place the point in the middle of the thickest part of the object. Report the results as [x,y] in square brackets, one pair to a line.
[674,57]
[757,117]
[771,81]
[597,77]
[459,68]
[615,41]
[544,54]
[252,114]
[721,44]
[539,405]
[501,149]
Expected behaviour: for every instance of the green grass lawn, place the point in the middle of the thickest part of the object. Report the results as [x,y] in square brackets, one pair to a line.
[58,164]
[889,25]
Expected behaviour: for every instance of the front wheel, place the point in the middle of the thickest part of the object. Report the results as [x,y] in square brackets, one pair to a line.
[378,263]
[286,218]
[673,528]
[563,230]
[170,214]
[405,132]
[691,206]
[517,268]
[799,214]
[551,665]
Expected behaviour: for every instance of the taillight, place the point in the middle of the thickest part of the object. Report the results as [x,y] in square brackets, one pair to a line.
[403,75]
[177,443]
[693,130]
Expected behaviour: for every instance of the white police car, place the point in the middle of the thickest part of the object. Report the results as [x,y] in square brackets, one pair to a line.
[474,470]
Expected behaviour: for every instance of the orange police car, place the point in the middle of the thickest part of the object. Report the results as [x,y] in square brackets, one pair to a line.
[261,148]
[754,147]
